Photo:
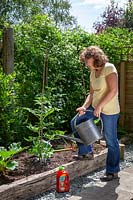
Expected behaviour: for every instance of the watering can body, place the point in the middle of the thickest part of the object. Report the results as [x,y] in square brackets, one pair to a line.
[88,131]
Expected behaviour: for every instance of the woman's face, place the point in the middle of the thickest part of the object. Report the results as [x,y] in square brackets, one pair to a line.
[89,62]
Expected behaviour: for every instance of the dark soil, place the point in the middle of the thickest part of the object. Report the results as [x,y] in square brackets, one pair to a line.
[29,165]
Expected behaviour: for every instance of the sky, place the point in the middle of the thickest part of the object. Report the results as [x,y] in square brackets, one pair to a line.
[89,11]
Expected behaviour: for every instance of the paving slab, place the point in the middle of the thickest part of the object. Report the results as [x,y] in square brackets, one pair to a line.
[117,189]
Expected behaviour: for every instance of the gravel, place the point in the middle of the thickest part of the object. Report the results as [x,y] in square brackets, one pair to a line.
[79,184]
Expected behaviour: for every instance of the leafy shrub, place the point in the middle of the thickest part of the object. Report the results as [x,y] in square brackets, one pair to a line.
[41,146]
[6,155]
[11,115]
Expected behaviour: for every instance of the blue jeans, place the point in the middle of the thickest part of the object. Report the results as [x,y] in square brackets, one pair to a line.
[110,135]
[82,149]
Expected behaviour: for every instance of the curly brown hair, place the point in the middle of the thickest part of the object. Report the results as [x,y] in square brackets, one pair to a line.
[94,52]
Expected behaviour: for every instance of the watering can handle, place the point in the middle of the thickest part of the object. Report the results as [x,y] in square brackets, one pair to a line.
[77,116]
[88,111]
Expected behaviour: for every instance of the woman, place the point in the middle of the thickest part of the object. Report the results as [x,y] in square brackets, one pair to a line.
[103,101]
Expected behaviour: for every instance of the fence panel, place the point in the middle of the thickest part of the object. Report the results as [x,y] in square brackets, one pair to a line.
[126,94]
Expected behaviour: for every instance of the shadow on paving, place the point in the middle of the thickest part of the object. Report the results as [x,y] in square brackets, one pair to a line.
[103,191]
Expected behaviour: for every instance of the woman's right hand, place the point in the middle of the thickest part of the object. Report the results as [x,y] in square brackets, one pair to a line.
[81,110]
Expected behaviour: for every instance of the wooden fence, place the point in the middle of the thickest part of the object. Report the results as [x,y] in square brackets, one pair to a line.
[126,94]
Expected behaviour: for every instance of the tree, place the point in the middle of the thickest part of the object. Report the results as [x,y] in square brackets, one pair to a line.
[128,15]
[112,17]
[59,10]
[13,11]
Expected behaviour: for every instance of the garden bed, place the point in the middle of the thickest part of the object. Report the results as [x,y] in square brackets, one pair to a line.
[32,177]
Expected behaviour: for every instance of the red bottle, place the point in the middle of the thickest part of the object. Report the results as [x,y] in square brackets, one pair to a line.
[62,180]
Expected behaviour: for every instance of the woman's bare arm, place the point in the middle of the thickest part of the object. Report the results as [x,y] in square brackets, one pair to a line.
[87,102]
[89,98]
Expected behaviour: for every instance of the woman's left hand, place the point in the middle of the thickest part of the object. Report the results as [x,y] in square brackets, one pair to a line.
[81,110]
[97,111]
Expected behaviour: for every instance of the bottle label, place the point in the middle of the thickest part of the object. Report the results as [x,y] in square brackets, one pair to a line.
[62,183]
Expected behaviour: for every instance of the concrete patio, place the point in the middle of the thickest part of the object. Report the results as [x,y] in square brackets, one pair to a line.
[118,189]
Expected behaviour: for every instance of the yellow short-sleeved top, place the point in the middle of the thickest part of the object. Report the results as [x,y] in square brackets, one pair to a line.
[99,86]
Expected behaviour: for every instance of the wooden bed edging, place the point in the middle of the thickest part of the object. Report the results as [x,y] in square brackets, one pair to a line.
[35,184]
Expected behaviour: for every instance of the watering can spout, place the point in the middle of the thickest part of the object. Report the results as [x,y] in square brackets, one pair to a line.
[71,138]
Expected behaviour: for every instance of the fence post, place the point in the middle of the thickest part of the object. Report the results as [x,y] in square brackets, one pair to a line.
[8,51]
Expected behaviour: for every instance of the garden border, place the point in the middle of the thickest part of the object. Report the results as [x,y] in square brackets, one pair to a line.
[35,184]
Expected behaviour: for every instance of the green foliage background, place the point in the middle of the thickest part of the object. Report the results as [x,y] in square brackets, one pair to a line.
[68,79]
